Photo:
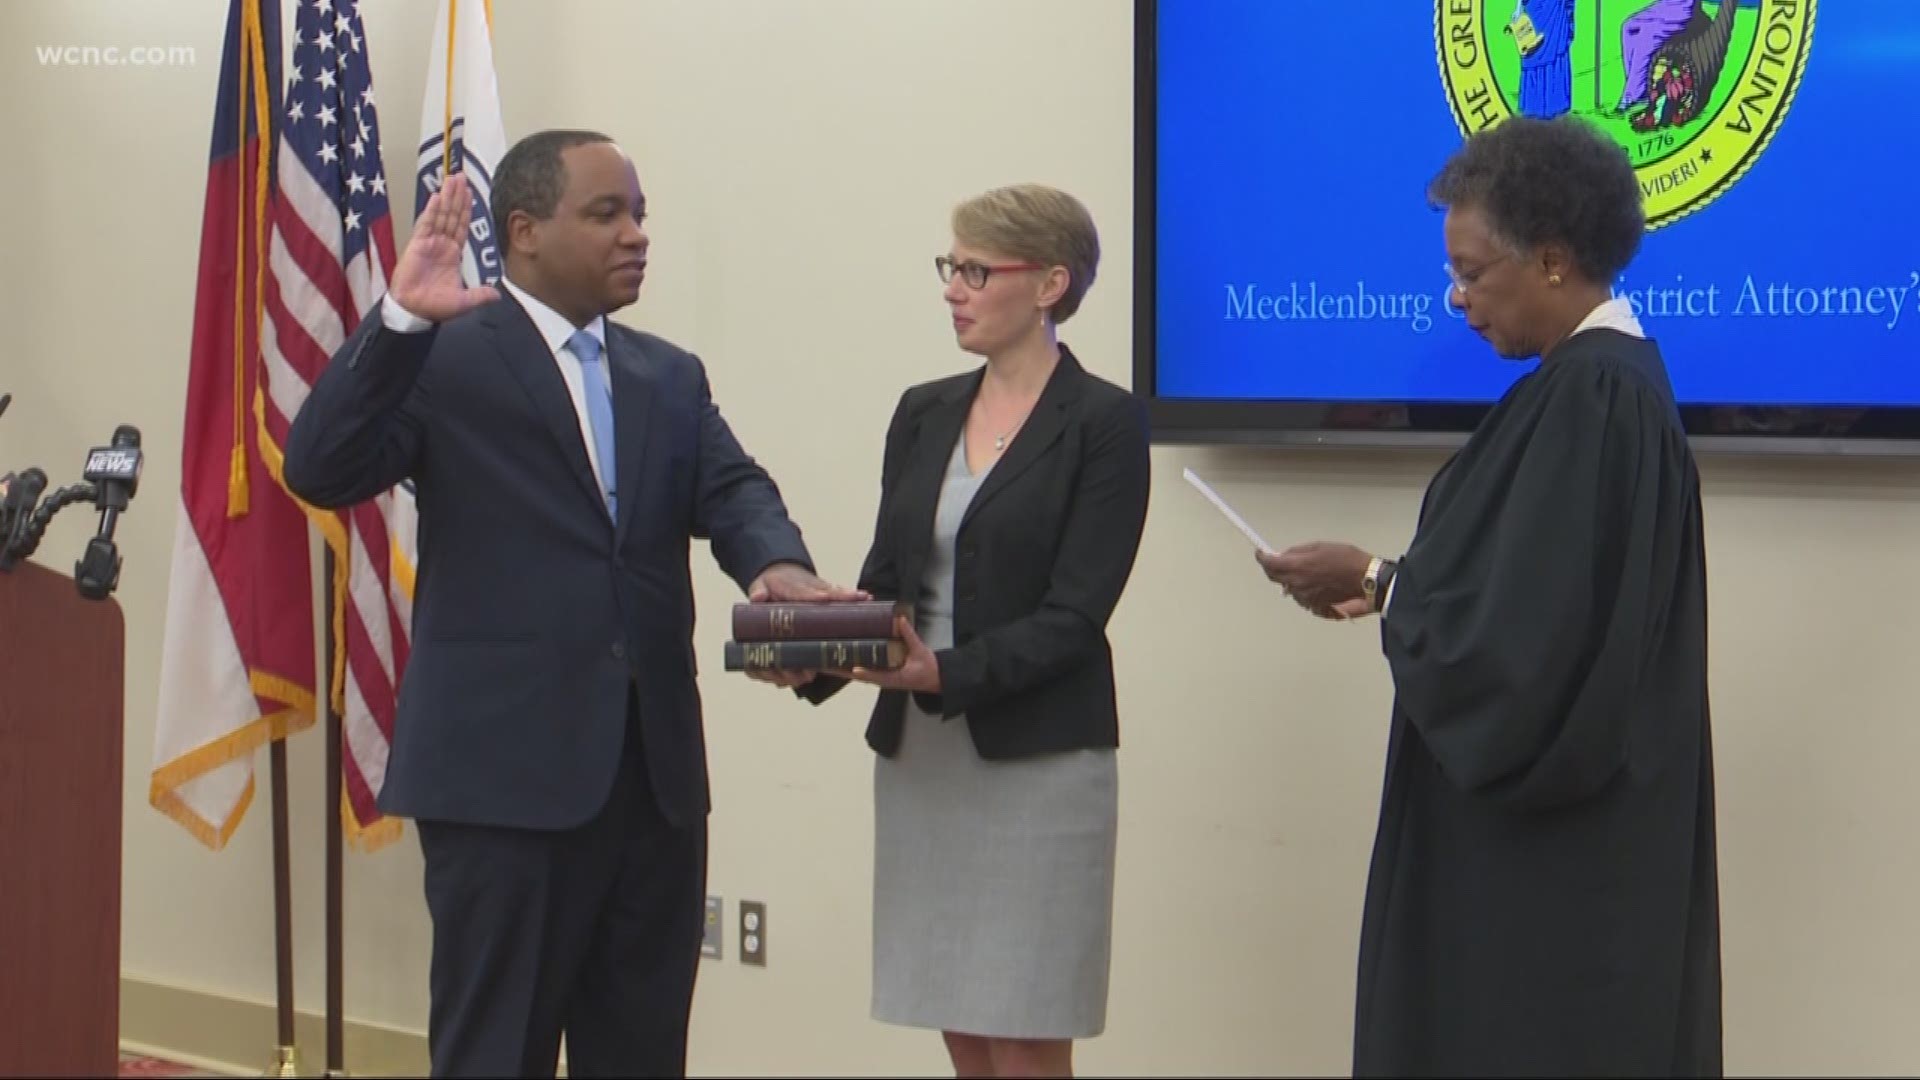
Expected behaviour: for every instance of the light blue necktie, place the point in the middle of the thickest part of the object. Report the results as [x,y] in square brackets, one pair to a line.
[599,389]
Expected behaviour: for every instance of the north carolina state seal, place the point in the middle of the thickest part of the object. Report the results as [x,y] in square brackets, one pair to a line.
[1692,89]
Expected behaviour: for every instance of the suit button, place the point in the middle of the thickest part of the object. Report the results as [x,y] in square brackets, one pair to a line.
[619,650]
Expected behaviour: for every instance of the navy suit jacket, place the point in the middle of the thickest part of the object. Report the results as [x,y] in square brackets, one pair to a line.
[536,614]
[1043,553]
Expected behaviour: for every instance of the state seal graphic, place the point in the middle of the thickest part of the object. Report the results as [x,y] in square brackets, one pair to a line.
[1692,89]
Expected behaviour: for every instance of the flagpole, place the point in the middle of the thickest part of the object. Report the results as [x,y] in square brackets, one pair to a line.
[286,1059]
[287,1056]
[336,981]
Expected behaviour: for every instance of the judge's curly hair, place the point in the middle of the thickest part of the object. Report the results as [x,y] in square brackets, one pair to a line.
[1550,181]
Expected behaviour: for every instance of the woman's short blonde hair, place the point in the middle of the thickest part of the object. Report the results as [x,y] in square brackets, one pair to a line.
[1035,223]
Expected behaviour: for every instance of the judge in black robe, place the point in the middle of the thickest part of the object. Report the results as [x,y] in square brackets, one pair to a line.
[1542,899]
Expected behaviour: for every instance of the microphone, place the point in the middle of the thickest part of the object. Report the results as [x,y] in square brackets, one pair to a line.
[112,477]
[6,482]
[114,472]
[17,515]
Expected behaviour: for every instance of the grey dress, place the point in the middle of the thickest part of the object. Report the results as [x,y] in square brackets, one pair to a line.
[993,880]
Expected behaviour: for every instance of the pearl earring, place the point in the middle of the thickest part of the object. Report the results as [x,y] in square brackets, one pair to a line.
[1553,279]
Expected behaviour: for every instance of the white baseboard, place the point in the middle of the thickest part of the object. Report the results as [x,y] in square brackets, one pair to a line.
[237,1037]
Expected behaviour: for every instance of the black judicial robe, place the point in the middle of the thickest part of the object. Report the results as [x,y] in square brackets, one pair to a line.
[1542,899]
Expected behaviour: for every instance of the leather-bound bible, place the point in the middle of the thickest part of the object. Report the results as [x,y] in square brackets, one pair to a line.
[878,654]
[819,620]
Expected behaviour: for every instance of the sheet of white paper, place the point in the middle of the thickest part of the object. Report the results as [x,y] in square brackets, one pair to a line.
[1221,504]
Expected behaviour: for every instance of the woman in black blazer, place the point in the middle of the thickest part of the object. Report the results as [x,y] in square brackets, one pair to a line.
[1012,500]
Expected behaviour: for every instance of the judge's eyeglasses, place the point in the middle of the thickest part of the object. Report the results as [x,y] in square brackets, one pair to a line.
[1466,281]
[973,273]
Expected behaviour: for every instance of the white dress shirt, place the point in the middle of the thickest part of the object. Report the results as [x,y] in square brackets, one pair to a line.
[1614,314]
[554,330]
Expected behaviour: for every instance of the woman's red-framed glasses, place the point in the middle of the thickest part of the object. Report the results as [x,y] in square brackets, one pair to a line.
[973,273]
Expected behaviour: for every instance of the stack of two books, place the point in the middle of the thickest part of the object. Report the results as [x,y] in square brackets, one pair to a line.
[827,635]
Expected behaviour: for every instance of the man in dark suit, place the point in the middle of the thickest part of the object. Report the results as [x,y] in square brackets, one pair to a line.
[548,740]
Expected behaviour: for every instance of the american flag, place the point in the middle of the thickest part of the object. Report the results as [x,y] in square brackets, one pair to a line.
[332,252]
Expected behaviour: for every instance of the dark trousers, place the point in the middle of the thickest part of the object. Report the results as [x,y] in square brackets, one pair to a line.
[592,934]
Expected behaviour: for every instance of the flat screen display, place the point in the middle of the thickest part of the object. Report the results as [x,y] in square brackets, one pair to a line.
[1292,278]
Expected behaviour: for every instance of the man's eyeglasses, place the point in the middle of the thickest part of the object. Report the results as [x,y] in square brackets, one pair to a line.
[973,273]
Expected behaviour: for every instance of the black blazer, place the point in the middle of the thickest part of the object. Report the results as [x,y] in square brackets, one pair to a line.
[537,615]
[1042,556]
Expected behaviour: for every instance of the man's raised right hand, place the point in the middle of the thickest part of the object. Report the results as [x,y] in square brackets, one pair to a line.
[427,281]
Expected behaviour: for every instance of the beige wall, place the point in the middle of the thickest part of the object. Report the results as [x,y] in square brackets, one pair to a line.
[799,167]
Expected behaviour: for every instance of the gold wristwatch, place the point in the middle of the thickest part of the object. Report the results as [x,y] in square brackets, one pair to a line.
[1378,582]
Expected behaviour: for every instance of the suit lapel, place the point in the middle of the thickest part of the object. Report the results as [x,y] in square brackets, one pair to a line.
[921,479]
[633,396]
[1031,442]
[526,355]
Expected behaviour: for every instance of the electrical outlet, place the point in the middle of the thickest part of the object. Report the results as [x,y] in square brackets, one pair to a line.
[753,932]
[710,936]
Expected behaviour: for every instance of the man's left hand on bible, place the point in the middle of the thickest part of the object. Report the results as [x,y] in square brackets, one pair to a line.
[791,581]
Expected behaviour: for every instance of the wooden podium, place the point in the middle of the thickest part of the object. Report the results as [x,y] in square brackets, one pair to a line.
[62,700]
